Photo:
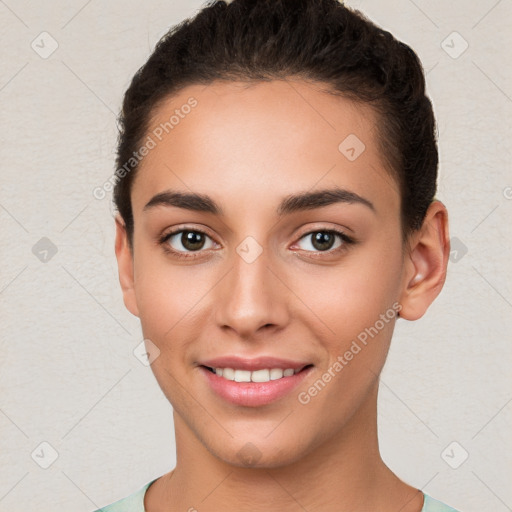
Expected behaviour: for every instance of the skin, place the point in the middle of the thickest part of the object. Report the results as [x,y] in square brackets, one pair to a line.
[249,147]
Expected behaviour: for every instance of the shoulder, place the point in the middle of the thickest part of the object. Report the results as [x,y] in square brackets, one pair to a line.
[132,503]
[432,505]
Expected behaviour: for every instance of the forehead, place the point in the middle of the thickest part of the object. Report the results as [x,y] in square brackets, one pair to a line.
[265,138]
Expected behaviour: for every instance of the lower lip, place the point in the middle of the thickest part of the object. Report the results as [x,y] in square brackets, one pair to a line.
[253,394]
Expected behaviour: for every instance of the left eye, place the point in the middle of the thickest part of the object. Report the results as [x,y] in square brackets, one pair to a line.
[323,240]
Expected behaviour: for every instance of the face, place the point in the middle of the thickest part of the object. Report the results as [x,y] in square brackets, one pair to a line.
[252,274]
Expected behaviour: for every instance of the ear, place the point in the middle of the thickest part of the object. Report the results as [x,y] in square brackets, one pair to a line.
[124,257]
[425,263]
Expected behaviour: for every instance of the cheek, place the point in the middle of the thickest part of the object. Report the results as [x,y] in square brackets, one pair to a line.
[166,298]
[358,306]
[161,296]
[170,297]
[357,302]
[352,296]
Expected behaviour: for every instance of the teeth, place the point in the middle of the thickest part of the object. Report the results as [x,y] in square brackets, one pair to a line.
[260,376]
[264,375]
[276,373]
[242,376]
[228,373]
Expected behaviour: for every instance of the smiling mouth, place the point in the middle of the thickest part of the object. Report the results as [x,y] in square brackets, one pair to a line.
[262,375]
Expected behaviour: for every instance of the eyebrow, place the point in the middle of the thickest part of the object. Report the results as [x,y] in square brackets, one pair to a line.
[290,204]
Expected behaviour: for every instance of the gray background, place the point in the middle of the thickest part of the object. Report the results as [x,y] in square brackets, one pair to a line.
[68,375]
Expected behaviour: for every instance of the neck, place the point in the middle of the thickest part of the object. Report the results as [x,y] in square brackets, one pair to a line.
[343,473]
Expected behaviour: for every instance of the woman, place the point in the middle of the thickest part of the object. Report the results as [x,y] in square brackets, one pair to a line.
[275,183]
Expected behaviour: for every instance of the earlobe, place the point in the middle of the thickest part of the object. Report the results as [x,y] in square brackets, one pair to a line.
[125,267]
[426,263]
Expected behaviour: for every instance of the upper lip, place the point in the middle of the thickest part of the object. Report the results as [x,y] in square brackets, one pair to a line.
[252,364]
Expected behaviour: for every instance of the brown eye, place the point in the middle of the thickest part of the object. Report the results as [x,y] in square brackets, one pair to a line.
[324,240]
[184,241]
[192,240]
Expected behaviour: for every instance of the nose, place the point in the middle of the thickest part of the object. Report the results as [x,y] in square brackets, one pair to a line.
[252,298]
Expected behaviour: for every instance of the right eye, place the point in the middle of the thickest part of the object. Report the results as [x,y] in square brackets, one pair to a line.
[183,241]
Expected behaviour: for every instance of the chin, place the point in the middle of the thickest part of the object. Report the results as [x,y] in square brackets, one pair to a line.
[258,453]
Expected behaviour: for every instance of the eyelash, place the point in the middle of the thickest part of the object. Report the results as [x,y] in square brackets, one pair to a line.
[347,241]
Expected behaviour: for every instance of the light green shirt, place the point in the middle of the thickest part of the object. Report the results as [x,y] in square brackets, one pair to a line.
[135,503]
